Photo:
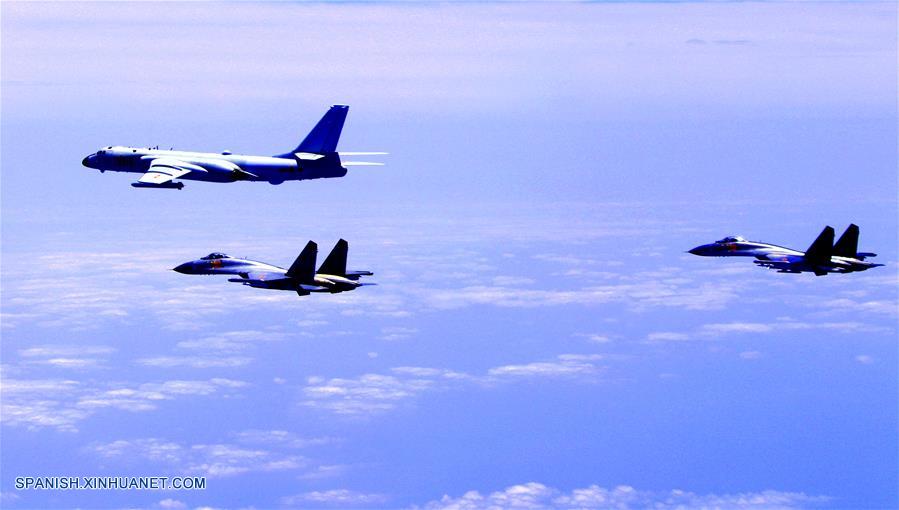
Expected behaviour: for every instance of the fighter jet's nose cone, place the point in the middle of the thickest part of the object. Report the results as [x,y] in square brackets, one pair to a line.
[699,250]
[185,268]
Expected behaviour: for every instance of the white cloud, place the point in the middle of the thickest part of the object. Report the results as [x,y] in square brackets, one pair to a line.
[665,336]
[323,472]
[750,355]
[394,333]
[371,393]
[871,306]
[212,460]
[194,361]
[62,404]
[366,394]
[565,365]
[594,337]
[538,496]
[49,351]
[864,359]
[342,497]
[507,281]
[736,327]
[718,330]
[66,356]
[171,504]
[280,438]
[230,342]
[721,329]
[639,292]
[311,323]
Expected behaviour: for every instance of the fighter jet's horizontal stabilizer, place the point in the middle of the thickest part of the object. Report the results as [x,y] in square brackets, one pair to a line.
[821,258]
[316,157]
[301,277]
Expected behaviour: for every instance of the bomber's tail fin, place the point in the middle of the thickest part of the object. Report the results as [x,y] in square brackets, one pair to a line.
[847,244]
[335,263]
[303,268]
[822,248]
[323,137]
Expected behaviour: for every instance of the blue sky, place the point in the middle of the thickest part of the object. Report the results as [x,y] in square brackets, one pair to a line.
[538,337]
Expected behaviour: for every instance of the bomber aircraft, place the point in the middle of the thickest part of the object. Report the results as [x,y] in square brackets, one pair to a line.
[301,276]
[822,257]
[315,158]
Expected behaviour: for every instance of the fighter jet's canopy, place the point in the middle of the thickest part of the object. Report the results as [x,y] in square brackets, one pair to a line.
[215,255]
[730,239]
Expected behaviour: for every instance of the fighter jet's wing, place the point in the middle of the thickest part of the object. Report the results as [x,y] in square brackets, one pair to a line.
[163,170]
[311,288]
[782,267]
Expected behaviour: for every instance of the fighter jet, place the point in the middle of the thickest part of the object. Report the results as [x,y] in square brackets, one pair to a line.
[315,158]
[301,276]
[822,257]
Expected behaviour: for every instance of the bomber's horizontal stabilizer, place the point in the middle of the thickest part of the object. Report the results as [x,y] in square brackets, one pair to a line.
[308,156]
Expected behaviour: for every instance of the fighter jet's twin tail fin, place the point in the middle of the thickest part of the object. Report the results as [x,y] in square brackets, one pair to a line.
[821,249]
[335,262]
[847,244]
[303,268]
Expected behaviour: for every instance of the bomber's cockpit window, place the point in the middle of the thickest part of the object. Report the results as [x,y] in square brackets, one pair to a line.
[214,256]
[731,239]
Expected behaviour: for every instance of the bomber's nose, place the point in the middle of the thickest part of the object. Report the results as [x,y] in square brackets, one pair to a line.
[186,268]
[87,161]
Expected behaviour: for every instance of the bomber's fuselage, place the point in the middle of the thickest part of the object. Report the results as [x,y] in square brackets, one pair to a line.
[215,167]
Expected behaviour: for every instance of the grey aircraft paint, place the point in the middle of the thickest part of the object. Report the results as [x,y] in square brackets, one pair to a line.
[316,157]
[821,258]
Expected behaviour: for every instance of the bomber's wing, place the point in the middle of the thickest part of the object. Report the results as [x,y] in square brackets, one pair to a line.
[163,170]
